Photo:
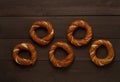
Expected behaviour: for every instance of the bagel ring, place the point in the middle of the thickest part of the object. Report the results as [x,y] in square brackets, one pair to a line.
[64,62]
[42,24]
[23,61]
[79,24]
[101,61]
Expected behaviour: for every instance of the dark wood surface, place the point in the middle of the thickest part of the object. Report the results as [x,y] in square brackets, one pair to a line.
[16,18]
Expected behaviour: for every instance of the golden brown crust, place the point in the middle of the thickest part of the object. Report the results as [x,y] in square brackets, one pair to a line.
[45,40]
[75,25]
[25,46]
[101,61]
[66,61]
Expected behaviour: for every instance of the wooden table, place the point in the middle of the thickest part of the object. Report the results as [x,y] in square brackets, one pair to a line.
[16,18]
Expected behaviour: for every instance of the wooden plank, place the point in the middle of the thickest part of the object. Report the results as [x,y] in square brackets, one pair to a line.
[43,71]
[81,53]
[62,7]
[18,27]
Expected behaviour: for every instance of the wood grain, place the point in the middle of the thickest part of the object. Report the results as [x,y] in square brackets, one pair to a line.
[79,71]
[59,8]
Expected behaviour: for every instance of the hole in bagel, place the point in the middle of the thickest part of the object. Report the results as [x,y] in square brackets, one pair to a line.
[79,33]
[25,54]
[101,52]
[60,53]
[41,32]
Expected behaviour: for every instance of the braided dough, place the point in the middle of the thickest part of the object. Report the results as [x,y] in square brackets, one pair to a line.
[42,24]
[25,46]
[101,61]
[64,62]
[79,24]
